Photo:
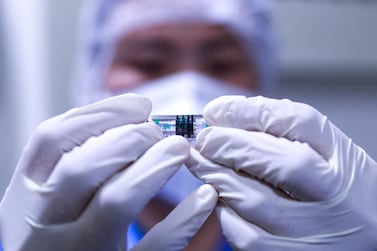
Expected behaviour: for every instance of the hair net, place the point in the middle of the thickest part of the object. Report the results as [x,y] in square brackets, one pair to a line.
[104,21]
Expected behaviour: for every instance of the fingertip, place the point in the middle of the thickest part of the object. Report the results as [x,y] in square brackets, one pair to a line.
[131,102]
[156,128]
[181,143]
[127,98]
[226,216]
[133,107]
[208,193]
[217,111]
[202,201]
[220,210]
[201,137]
[177,145]
[143,101]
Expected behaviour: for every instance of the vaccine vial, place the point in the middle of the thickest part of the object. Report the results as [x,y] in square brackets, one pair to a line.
[187,126]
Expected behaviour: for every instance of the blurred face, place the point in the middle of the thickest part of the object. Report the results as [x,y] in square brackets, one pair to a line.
[160,50]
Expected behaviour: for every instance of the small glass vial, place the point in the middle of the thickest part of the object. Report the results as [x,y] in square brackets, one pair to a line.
[187,126]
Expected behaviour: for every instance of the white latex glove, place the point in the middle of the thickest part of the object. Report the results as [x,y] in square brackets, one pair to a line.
[86,174]
[288,178]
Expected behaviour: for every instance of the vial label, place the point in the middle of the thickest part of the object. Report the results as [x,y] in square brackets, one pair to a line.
[187,126]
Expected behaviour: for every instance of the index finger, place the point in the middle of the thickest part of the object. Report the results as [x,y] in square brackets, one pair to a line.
[281,118]
[62,133]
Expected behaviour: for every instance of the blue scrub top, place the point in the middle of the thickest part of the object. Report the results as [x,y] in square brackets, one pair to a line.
[135,234]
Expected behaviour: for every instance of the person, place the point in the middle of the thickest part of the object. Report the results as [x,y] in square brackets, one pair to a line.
[180,57]
[286,177]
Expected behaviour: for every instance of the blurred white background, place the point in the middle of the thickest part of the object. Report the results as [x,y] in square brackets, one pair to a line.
[328,59]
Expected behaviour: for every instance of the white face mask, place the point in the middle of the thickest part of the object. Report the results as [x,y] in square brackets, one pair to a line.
[186,93]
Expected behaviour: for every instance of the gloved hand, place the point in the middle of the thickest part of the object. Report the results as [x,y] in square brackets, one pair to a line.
[86,174]
[288,178]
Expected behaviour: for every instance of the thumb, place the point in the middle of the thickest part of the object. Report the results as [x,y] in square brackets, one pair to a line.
[176,230]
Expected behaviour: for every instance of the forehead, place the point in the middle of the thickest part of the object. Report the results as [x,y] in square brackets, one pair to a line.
[175,19]
[182,35]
